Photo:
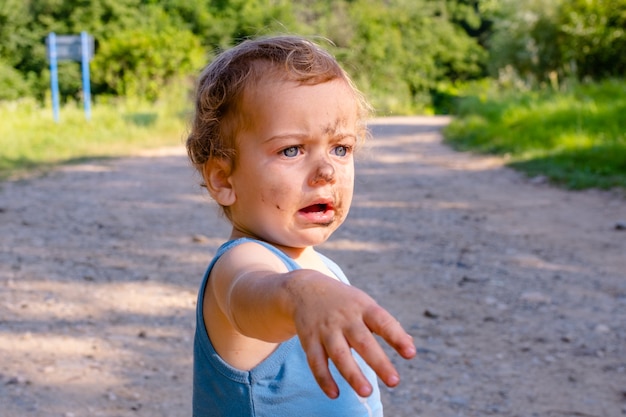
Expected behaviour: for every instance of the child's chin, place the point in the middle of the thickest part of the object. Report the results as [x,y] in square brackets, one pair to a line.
[306,240]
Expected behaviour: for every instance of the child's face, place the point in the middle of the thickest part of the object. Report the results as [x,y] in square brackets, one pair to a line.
[294,173]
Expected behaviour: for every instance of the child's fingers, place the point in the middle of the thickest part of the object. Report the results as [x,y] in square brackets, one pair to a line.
[318,362]
[386,326]
[338,350]
[364,343]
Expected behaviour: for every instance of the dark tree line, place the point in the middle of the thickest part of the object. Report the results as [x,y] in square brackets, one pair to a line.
[400,52]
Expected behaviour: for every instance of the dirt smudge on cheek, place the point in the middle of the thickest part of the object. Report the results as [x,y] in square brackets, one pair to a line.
[274,198]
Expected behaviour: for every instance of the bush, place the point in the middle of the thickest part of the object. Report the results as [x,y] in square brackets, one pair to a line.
[574,137]
[12,83]
[548,41]
[140,62]
[593,37]
[400,51]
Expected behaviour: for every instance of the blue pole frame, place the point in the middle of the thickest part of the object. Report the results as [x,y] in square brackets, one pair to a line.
[84,49]
[54,75]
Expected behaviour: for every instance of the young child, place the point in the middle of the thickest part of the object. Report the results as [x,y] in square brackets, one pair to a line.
[276,124]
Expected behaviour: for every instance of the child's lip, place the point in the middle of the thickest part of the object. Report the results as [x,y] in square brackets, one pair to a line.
[320,212]
[317,206]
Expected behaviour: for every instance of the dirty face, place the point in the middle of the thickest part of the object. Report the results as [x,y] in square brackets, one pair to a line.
[294,175]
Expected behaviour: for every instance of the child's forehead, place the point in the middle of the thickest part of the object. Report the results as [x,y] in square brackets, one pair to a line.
[279,104]
[271,82]
[271,90]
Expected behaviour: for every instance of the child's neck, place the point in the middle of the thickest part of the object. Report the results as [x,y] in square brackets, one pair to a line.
[297,254]
[306,257]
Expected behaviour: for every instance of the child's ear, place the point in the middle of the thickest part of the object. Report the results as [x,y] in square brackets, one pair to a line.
[216,172]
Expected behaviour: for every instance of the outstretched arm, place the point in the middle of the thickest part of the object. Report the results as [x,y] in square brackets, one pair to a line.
[330,318]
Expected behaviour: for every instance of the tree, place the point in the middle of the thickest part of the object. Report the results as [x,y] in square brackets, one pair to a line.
[400,50]
[593,38]
[140,62]
[14,19]
[540,40]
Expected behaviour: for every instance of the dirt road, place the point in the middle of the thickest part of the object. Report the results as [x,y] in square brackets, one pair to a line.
[515,291]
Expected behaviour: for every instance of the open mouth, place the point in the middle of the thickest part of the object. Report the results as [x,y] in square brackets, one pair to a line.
[319,213]
[316,208]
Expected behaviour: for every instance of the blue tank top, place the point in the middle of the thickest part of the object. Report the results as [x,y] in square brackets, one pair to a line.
[282,385]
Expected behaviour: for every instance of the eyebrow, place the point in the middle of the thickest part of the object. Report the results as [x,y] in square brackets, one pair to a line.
[286,136]
[305,136]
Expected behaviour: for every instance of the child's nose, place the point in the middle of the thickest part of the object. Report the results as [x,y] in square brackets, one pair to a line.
[324,173]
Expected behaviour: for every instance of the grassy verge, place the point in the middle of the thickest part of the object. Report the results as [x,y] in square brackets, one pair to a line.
[575,138]
[30,140]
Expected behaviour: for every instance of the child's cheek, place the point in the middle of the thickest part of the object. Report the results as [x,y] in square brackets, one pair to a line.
[275,198]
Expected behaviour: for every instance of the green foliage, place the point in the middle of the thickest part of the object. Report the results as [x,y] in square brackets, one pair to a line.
[140,62]
[248,18]
[407,56]
[576,137]
[193,15]
[13,32]
[144,47]
[403,53]
[399,50]
[544,41]
[12,84]
[594,37]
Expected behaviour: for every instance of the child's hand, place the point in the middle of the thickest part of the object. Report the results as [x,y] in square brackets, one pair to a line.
[331,318]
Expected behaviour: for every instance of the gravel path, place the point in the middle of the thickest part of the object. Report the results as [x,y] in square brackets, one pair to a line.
[515,291]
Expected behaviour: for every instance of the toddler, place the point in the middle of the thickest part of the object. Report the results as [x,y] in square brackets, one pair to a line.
[280,331]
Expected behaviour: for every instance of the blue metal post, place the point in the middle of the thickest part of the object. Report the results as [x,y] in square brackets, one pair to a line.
[54,74]
[84,48]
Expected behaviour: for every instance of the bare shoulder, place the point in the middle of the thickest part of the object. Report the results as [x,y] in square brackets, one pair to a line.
[247,257]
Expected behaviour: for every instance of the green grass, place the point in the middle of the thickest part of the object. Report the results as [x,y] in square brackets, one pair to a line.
[576,138]
[30,140]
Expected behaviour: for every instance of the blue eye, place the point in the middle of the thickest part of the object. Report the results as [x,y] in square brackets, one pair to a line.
[341,150]
[291,152]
